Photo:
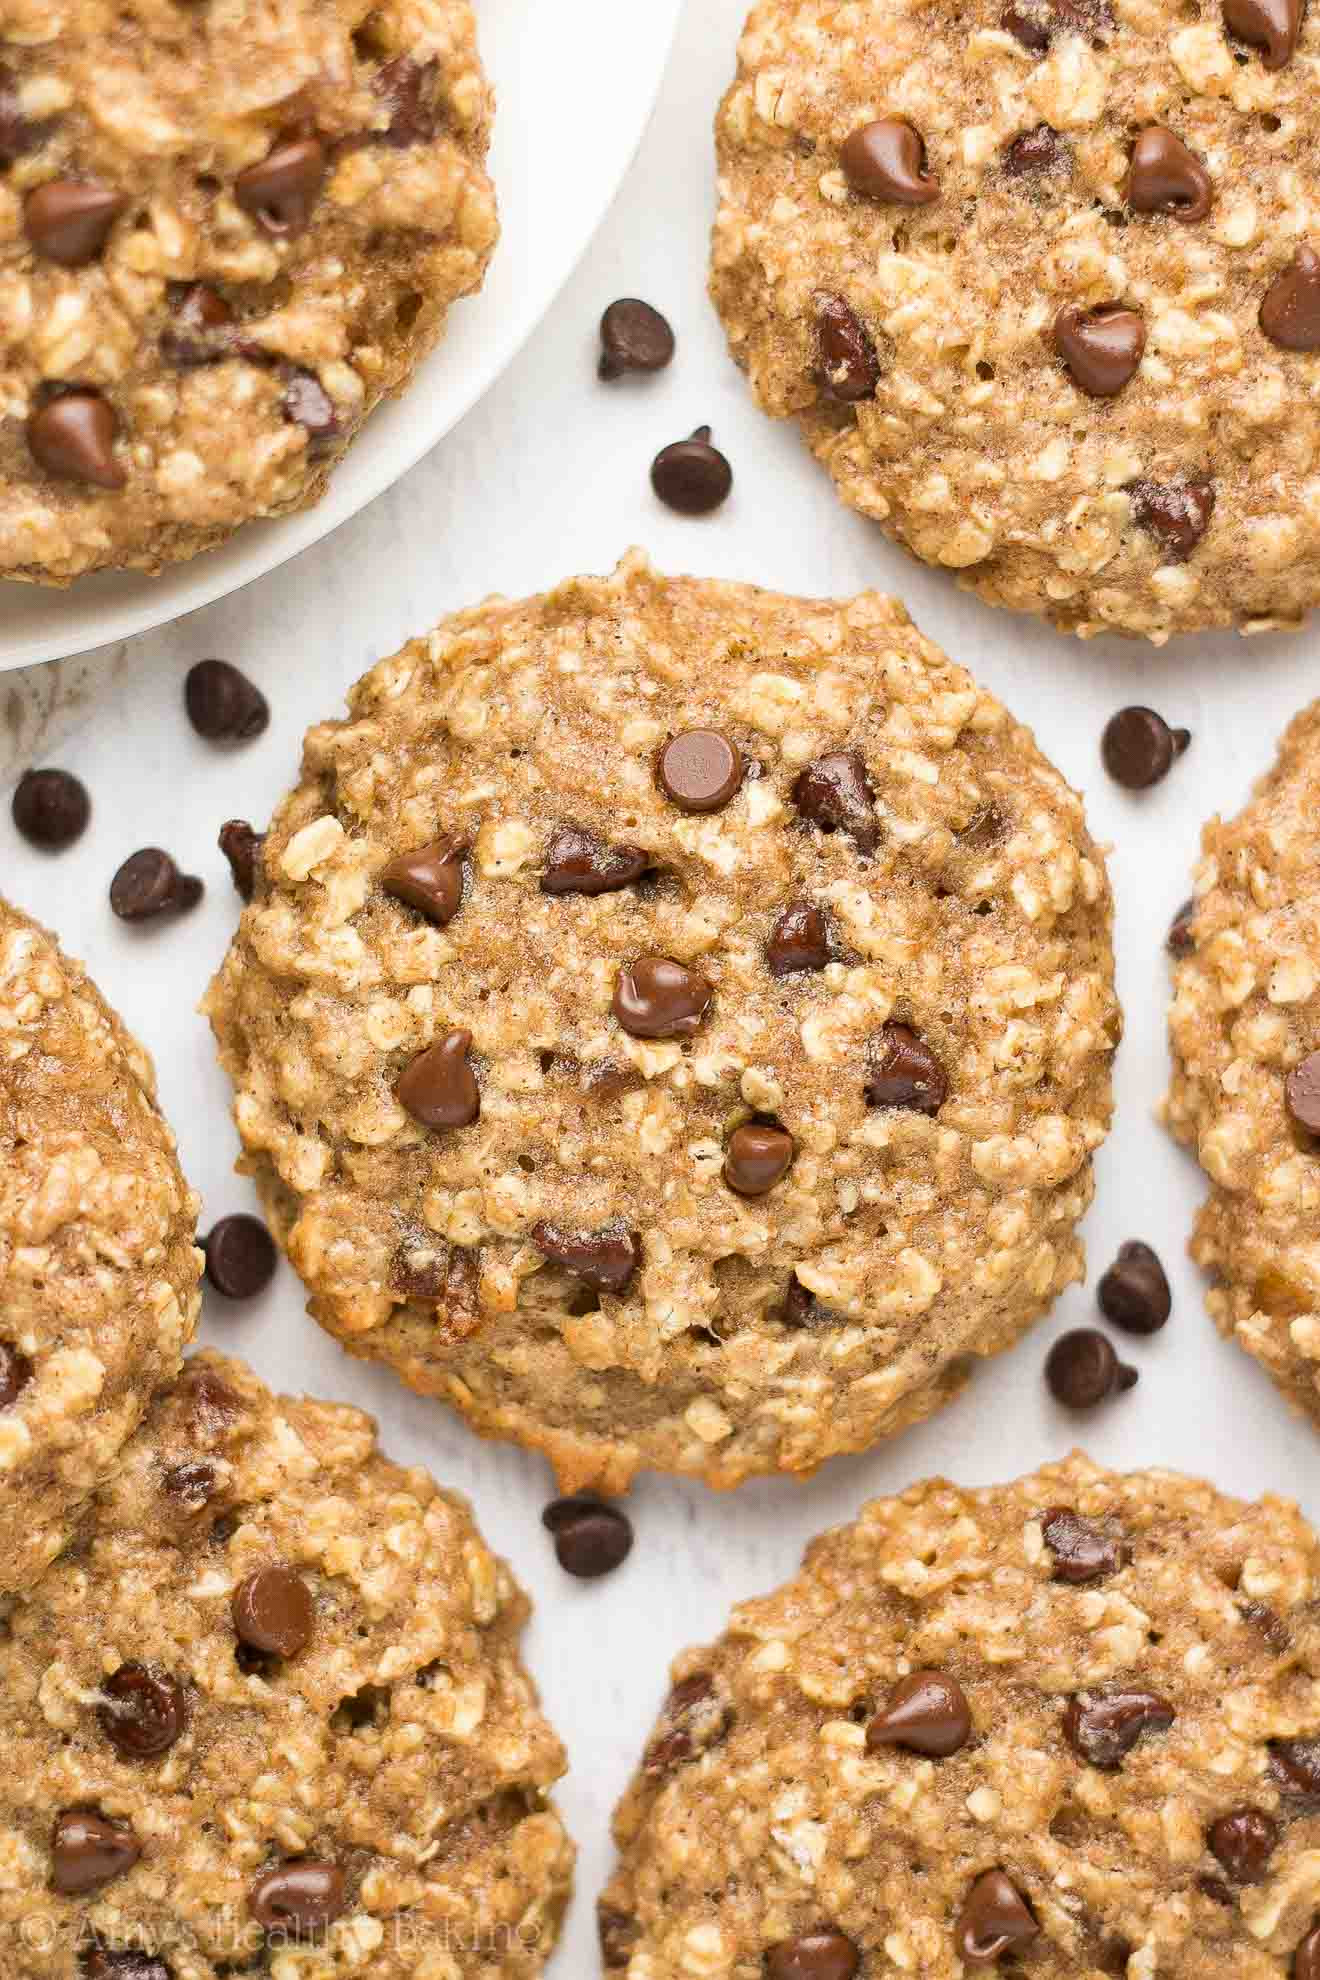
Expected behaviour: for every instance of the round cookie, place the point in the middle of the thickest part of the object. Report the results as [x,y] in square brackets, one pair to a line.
[99,1275]
[274,1700]
[1244,1028]
[1065,1727]
[225,233]
[1040,280]
[674,1023]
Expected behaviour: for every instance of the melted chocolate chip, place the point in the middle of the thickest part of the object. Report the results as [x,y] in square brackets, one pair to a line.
[618,1933]
[1102,348]
[927,1713]
[191,1483]
[282,190]
[1290,313]
[15,1374]
[1180,940]
[656,997]
[1272,26]
[299,1897]
[847,364]
[18,134]
[1295,1764]
[995,1919]
[691,476]
[88,1851]
[834,794]
[905,1072]
[241,846]
[1082,1369]
[429,879]
[1176,513]
[1306,1959]
[576,862]
[143,1713]
[273,1611]
[1301,1094]
[213,1404]
[695,1717]
[758,1156]
[1165,177]
[309,405]
[1134,1292]
[1035,23]
[1039,150]
[819,1954]
[591,1537]
[446,1273]
[1082,1551]
[73,438]
[1103,1727]
[605,1260]
[407,89]
[223,704]
[1243,1841]
[439,1089]
[633,337]
[700,770]
[886,160]
[799,941]
[69,220]
[202,331]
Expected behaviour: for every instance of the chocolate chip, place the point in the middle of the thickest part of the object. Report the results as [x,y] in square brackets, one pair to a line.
[847,364]
[282,190]
[51,808]
[1270,1626]
[99,1963]
[1301,1094]
[834,793]
[822,1954]
[200,332]
[1176,513]
[429,879]
[15,1374]
[1244,1841]
[886,160]
[633,337]
[241,846]
[700,770]
[605,1260]
[69,221]
[439,1089]
[905,1072]
[302,1896]
[1134,1292]
[799,940]
[1165,177]
[1290,313]
[618,1934]
[191,1483]
[1101,347]
[1138,748]
[273,1611]
[695,1717]
[309,405]
[691,476]
[1273,26]
[1036,22]
[656,997]
[1083,1370]
[576,862]
[149,883]
[407,89]
[214,1404]
[1082,1551]
[758,1157]
[18,134]
[73,438]
[995,1919]
[927,1713]
[1103,1727]
[1295,1764]
[1180,940]
[800,1308]
[591,1537]
[143,1713]
[1039,150]
[985,828]
[223,704]
[240,1256]
[1306,1959]
[88,1850]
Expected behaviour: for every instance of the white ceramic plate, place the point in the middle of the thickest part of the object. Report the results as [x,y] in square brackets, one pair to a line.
[574,91]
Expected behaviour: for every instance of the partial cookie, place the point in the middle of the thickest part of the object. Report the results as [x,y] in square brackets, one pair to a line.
[1041,283]
[225,233]
[673,1023]
[1067,1727]
[274,1700]
[1245,1096]
[99,1275]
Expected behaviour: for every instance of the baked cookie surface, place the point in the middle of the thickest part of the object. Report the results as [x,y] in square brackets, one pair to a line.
[1064,1727]
[225,232]
[1041,283]
[270,1715]
[674,1023]
[1244,1026]
[99,1274]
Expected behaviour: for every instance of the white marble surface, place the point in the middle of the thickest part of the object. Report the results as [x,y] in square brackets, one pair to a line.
[549,476]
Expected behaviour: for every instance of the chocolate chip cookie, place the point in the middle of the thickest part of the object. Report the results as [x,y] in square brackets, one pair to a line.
[99,1275]
[225,233]
[1040,281]
[1245,1096]
[673,1023]
[1066,1727]
[271,1716]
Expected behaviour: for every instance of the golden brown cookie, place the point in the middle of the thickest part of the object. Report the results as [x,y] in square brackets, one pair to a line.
[673,1024]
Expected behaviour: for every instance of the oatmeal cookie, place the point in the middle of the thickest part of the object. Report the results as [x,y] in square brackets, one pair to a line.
[274,1699]
[1245,1096]
[674,1023]
[1065,1727]
[1040,280]
[226,231]
[99,1275]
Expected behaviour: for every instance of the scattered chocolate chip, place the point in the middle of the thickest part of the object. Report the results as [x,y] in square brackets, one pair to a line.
[223,704]
[700,770]
[834,793]
[191,1483]
[88,1850]
[99,1963]
[1165,177]
[1104,1726]
[1295,1764]
[576,862]
[1180,940]
[273,1611]
[241,846]
[18,134]
[618,1933]
[822,1954]
[1038,150]
[633,337]
[995,1919]
[51,808]
[240,1256]
[1176,513]
[302,1896]
[1138,748]
[282,190]
[591,1537]
[1301,1094]
[656,997]
[439,1089]
[1082,1551]
[605,1260]
[1134,1293]
[1101,347]
[73,438]
[695,1717]
[799,940]
[905,1072]
[1272,26]
[1306,1959]
[429,879]
[927,1713]
[1290,313]
[149,883]
[758,1157]
[1244,1841]
[406,88]
[886,160]
[143,1714]
[201,329]
[847,363]
[1082,1369]
[691,476]
[15,1374]
[69,221]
